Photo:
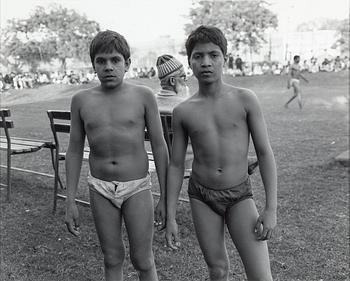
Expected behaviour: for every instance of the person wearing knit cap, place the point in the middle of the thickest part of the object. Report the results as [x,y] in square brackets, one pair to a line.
[172,76]
[174,90]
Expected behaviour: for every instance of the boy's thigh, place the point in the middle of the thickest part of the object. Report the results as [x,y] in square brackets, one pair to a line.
[209,227]
[241,220]
[138,213]
[296,87]
[108,222]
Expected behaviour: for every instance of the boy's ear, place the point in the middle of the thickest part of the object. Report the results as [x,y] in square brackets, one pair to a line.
[189,64]
[225,59]
[127,64]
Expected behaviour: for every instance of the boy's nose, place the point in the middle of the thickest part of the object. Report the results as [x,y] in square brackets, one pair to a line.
[109,66]
[206,61]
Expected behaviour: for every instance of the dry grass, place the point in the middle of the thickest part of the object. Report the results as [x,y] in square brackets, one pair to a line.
[311,240]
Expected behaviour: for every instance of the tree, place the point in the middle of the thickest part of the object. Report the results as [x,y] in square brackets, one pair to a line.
[56,33]
[319,24]
[243,22]
[341,26]
[343,41]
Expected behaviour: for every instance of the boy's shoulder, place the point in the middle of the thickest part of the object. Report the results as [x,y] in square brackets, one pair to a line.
[295,66]
[139,89]
[84,93]
[243,94]
[188,103]
[243,97]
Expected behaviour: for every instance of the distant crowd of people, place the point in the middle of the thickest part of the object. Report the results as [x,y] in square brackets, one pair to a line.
[237,67]
[28,80]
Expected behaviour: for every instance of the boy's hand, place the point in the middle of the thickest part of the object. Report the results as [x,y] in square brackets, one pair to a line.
[160,215]
[265,224]
[72,220]
[171,235]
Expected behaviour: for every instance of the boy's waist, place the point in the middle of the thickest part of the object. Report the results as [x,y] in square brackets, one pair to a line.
[219,178]
[91,178]
[119,168]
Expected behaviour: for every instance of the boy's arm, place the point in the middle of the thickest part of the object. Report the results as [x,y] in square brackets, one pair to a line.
[302,76]
[258,130]
[73,165]
[160,152]
[297,73]
[175,177]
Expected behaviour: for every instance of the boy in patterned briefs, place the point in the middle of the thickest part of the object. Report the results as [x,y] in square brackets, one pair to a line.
[113,117]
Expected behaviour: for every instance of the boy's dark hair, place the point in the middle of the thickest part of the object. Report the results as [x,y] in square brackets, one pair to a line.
[206,34]
[296,57]
[109,41]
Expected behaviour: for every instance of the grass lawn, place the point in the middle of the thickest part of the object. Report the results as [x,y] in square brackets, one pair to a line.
[311,241]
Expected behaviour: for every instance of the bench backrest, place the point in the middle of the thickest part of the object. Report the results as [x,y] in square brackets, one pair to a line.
[59,123]
[5,123]
[166,119]
[167,130]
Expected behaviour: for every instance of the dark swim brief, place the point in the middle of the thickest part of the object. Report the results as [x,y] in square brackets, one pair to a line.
[220,201]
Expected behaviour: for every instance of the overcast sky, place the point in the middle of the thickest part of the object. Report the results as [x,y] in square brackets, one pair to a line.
[141,21]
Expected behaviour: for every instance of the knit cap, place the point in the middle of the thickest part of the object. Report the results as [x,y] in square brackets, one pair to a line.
[167,64]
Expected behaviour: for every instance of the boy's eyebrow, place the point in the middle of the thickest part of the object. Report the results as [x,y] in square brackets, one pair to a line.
[109,55]
[211,52]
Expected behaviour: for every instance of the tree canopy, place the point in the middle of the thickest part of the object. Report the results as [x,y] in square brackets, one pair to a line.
[344,34]
[56,33]
[341,26]
[243,22]
[319,24]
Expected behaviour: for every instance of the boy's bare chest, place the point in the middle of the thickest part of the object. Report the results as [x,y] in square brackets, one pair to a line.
[215,119]
[96,115]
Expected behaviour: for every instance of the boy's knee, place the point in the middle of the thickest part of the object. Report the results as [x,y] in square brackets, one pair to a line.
[114,259]
[142,261]
[218,271]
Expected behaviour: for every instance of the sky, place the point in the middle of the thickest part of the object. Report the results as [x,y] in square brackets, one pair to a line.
[142,21]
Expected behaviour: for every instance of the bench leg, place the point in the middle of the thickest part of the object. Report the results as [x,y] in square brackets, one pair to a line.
[8,196]
[60,182]
[53,166]
[252,164]
[55,191]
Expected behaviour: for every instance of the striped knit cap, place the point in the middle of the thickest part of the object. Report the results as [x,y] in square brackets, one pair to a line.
[167,64]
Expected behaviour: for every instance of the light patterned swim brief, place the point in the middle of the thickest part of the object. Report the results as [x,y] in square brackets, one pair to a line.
[118,192]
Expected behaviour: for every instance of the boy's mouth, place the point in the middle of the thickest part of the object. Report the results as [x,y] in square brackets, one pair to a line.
[206,72]
[108,77]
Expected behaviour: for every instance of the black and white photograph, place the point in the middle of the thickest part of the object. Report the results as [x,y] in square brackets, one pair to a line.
[174,140]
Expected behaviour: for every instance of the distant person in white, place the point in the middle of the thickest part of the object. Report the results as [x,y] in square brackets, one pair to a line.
[294,82]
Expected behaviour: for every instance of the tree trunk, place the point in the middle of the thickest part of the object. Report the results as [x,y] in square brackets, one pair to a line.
[63,65]
[251,57]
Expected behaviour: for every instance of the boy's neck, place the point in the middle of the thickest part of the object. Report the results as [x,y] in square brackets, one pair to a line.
[210,89]
[111,89]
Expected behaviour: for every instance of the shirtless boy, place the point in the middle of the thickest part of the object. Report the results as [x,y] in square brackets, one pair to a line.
[294,82]
[219,120]
[113,117]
